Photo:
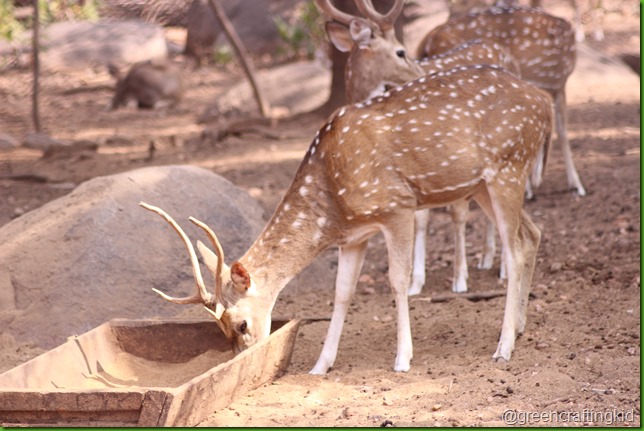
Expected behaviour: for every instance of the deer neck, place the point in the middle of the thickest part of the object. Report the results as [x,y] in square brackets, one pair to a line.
[300,229]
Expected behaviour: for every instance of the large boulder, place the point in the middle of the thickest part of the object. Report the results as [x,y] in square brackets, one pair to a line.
[71,45]
[94,254]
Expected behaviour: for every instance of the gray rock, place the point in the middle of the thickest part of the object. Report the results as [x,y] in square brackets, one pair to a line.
[70,45]
[94,254]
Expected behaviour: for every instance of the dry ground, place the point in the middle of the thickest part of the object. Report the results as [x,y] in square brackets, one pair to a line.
[581,348]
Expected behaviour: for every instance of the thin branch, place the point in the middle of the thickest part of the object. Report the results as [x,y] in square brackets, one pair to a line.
[241,52]
[36,67]
[472,296]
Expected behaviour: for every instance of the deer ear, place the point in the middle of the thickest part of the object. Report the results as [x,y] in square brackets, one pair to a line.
[211,259]
[339,36]
[240,277]
[360,32]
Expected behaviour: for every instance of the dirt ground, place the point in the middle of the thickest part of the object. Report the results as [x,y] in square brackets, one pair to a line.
[580,354]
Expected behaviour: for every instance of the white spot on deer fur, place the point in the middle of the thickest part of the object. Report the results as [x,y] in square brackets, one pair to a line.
[345,129]
[297,224]
[321,222]
[342,112]
[308,179]
[444,163]
[303,191]
[341,192]
[284,240]
[317,235]
[363,184]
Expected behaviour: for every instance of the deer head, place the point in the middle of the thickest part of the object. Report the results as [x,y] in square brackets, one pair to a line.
[234,295]
[375,55]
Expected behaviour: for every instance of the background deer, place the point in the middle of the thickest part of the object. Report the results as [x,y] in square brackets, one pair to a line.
[150,83]
[543,46]
[471,132]
[377,60]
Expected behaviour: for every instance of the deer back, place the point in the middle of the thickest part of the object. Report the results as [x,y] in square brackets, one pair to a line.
[470,54]
[543,45]
[433,141]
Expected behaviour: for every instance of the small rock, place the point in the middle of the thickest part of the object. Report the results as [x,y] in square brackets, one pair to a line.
[556,266]
[571,355]
[346,413]
[387,424]
[41,141]
[509,390]
[255,192]
[366,278]
[436,407]
[7,141]
[387,401]
[541,346]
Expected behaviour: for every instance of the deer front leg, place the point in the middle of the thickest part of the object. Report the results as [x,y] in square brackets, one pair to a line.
[459,211]
[421,219]
[350,261]
[399,237]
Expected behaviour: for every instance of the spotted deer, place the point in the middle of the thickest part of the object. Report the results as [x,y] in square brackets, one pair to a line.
[377,60]
[543,46]
[467,133]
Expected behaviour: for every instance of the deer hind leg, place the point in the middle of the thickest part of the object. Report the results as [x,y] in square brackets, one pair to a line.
[399,237]
[574,181]
[489,247]
[530,237]
[421,220]
[350,261]
[459,212]
[505,206]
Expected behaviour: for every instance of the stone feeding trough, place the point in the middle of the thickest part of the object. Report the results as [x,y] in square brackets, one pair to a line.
[140,373]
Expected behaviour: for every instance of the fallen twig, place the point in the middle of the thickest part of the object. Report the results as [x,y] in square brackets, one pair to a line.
[557,400]
[471,296]
[27,177]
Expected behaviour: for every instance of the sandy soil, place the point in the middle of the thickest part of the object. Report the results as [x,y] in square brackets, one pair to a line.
[581,350]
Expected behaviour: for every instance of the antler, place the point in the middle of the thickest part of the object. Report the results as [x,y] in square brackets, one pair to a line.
[386,21]
[334,13]
[219,252]
[202,295]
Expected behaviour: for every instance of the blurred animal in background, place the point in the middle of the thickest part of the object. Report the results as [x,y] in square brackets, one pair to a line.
[152,84]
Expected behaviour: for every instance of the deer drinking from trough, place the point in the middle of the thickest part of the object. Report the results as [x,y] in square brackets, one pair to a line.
[543,46]
[378,60]
[151,83]
[471,132]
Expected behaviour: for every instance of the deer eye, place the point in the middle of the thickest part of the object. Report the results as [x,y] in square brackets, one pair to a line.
[400,53]
[242,327]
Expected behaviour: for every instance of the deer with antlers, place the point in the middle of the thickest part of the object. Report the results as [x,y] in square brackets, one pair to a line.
[543,46]
[467,133]
[377,60]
